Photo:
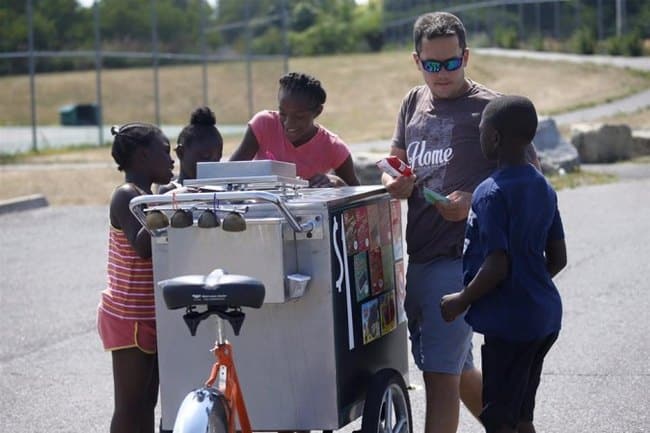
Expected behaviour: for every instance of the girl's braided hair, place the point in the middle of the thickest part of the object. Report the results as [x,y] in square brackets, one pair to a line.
[127,138]
[299,84]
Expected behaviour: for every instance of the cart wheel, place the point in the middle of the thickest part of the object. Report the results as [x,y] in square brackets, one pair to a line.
[387,408]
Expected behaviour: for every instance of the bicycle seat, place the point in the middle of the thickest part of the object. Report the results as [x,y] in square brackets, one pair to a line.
[217,289]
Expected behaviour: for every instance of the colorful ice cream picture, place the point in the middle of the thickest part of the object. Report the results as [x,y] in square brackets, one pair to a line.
[388,266]
[361,280]
[362,230]
[350,224]
[373,226]
[376,270]
[384,223]
[371,322]
[356,230]
[387,312]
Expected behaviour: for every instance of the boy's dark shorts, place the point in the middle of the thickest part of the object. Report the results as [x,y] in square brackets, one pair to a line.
[511,374]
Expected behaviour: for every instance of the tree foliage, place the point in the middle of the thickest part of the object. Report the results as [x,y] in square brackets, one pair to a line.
[314,27]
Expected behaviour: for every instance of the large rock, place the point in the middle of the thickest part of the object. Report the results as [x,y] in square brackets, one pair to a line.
[598,143]
[555,153]
[640,143]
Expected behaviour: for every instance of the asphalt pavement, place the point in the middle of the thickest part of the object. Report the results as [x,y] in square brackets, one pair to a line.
[55,377]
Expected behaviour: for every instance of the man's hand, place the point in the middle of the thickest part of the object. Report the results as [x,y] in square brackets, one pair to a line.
[452,306]
[458,206]
[399,187]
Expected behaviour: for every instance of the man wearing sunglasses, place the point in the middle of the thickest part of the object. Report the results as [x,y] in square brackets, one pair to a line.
[437,134]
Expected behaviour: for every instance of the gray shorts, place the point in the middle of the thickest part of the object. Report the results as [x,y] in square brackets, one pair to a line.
[437,346]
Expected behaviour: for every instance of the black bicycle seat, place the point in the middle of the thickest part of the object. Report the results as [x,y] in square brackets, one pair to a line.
[217,289]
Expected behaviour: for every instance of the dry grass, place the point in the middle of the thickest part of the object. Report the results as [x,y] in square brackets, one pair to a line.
[364,92]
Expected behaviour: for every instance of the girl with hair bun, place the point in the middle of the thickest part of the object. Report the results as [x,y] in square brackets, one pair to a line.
[199,141]
[126,319]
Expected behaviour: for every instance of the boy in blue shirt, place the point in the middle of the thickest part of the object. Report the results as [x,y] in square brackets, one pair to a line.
[514,246]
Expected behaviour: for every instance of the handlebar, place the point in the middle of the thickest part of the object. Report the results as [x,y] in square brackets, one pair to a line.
[137,203]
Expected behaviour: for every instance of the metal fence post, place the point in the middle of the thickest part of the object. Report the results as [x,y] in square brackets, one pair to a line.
[154,42]
[98,75]
[32,72]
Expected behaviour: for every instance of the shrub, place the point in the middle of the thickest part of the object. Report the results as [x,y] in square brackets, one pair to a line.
[583,41]
[630,44]
[506,37]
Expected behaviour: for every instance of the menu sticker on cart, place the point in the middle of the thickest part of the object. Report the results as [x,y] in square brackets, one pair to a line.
[356,230]
[371,323]
[388,266]
[387,312]
[362,229]
[376,270]
[361,280]
[396,228]
[384,222]
[373,226]
[350,222]
[400,289]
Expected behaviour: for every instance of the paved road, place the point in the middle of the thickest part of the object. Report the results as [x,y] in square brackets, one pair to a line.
[640,63]
[55,377]
[628,104]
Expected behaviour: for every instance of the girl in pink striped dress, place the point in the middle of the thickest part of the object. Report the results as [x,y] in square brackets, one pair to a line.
[126,316]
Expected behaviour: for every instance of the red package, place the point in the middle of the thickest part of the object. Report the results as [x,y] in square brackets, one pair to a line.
[394,166]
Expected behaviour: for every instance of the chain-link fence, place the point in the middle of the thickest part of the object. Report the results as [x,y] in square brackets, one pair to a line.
[163,58]
[220,69]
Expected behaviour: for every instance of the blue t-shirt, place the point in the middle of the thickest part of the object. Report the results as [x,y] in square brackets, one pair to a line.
[514,210]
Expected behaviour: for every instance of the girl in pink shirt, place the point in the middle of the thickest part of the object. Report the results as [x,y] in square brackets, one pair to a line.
[291,135]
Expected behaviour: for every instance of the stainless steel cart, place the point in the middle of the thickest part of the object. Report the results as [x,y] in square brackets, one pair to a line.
[330,343]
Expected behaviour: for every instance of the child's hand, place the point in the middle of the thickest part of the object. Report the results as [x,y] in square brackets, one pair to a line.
[321,180]
[458,206]
[452,306]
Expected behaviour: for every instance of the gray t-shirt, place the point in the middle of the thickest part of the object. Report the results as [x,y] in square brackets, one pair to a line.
[441,139]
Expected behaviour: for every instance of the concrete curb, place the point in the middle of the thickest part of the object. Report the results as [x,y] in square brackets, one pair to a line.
[23,203]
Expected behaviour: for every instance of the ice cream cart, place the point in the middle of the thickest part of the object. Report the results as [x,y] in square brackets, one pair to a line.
[330,342]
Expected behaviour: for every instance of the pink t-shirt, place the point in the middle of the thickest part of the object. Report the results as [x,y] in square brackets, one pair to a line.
[323,153]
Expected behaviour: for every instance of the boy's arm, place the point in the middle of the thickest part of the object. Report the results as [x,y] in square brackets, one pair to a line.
[492,272]
[555,256]
[555,249]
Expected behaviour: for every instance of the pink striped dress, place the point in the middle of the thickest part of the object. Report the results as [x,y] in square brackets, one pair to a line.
[129,294]
[126,316]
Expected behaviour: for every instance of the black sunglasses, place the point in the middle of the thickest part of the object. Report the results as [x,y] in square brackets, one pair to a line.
[434,66]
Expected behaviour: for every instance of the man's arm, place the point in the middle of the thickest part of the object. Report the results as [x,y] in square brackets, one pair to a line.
[492,272]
